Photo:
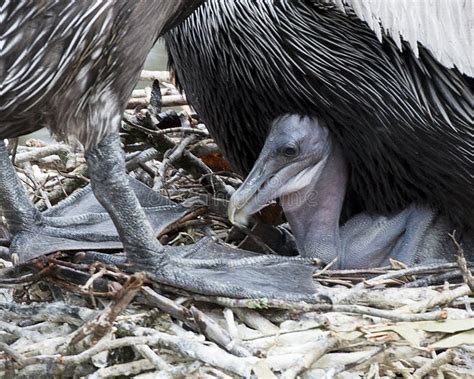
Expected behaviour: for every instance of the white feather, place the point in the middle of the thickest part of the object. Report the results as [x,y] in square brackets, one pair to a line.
[442,26]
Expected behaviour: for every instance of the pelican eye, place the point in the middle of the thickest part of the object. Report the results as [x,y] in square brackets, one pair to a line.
[290,151]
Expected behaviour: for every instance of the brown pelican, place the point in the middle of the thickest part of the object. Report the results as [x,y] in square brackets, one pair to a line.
[391,79]
[71,66]
[302,166]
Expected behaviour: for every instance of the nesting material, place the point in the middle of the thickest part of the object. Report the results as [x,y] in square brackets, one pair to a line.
[61,316]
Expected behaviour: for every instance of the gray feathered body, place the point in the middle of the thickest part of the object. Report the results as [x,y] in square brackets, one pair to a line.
[71,65]
[404,122]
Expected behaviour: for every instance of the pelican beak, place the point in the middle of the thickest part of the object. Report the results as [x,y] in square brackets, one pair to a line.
[268,181]
[246,201]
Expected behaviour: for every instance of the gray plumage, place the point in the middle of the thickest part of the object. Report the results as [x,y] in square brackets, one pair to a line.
[71,65]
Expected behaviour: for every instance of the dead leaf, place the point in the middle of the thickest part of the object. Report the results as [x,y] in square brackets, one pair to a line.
[464,338]
[445,326]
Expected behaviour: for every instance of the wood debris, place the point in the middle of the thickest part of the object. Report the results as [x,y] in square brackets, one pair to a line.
[63,317]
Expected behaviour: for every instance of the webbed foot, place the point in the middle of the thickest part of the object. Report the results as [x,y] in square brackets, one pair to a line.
[212,268]
[81,223]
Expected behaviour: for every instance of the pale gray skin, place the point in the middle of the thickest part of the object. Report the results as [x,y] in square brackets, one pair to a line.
[302,166]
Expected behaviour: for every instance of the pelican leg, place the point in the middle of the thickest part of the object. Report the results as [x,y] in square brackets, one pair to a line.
[77,223]
[206,267]
[109,181]
[16,207]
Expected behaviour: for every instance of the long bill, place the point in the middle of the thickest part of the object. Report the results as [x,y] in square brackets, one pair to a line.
[265,184]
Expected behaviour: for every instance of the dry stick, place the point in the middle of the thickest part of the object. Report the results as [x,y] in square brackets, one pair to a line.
[159,132]
[16,331]
[166,101]
[22,280]
[433,279]
[162,76]
[256,321]
[408,271]
[54,312]
[189,162]
[214,332]
[135,368]
[142,158]
[466,273]
[20,359]
[146,92]
[187,220]
[183,346]
[95,329]
[125,369]
[399,368]
[74,180]
[361,361]
[442,359]
[42,152]
[178,371]
[258,240]
[166,305]
[195,318]
[444,297]
[394,315]
[146,352]
[325,268]
[310,358]
[99,274]
[175,154]
[231,325]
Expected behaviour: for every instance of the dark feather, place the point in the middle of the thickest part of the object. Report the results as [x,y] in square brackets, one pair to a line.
[404,122]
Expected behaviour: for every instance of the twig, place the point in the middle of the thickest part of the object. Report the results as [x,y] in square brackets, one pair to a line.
[182,346]
[23,280]
[146,352]
[408,271]
[166,101]
[95,329]
[466,274]
[128,369]
[394,315]
[42,152]
[13,354]
[189,162]
[255,238]
[433,279]
[162,76]
[256,321]
[204,324]
[216,333]
[442,359]
[444,297]
[55,312]
[311,357]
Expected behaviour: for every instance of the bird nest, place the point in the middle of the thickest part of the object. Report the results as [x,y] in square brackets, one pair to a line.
[61,316]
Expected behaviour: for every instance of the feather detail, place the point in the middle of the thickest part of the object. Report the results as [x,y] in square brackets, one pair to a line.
[444,27]
[404,121]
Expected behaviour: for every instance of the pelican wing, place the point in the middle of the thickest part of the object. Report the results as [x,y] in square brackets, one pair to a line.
[442,26]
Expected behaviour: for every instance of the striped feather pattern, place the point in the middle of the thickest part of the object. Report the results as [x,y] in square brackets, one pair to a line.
[41,42]
[71,65]
[405,122]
